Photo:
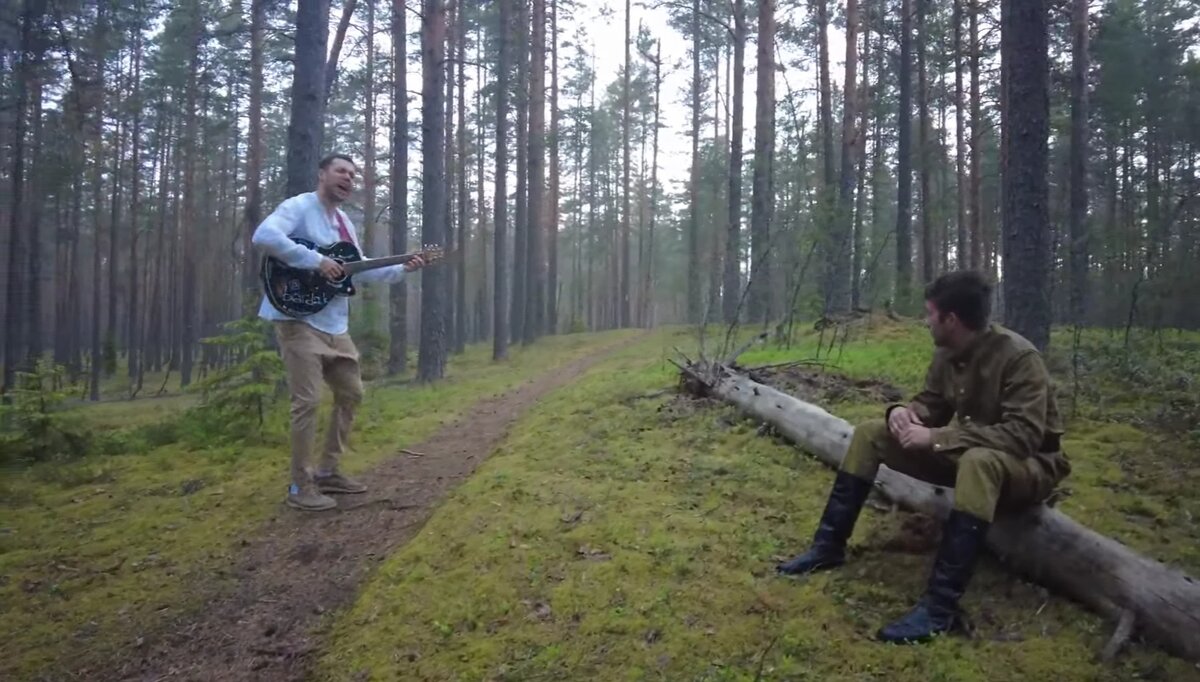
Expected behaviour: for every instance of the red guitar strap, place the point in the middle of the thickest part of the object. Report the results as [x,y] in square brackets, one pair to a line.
[342,231]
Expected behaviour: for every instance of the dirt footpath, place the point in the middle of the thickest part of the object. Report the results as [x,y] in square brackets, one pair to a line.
[303,565]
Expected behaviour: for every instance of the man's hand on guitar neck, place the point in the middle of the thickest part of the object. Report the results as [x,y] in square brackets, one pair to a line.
[331,269]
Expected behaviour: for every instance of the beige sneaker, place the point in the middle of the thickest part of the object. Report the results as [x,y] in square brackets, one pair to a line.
[337,483]
[308,499]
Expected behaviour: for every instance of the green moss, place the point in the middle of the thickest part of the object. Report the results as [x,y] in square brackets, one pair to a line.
[95,553]
[613,537]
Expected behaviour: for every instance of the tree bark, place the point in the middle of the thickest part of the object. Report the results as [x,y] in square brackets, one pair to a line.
[762,204]
[731,287]
[1079,149]
[960,144]
[500,207]
[398,347]
[626,259]
[484,318]
[865,105]
[431,357]
[551,326]
[928,240]
[255,150]
[305,133]
[904,163]
[450,164]
[97,141]
[335,50]
[1042,543]
[693,232]
[135,195]
[464,219]
[1026,221]
[189,236]
[976,189]
[373,238]
[535,237]
[521,213]
[648,274]
[17,313]
[843,221]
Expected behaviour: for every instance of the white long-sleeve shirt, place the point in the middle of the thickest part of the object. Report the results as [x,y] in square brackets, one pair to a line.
[304,216]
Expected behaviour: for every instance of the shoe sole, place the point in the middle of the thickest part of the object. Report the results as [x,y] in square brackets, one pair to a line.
[340,491]
[301,507]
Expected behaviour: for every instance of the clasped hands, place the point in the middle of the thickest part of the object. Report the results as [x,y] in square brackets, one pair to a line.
[906,427]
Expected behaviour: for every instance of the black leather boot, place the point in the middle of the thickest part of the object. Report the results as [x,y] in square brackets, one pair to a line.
[938,611]
[829,542]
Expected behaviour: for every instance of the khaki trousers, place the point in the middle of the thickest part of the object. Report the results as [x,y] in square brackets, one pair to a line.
[310,356]
[983,479]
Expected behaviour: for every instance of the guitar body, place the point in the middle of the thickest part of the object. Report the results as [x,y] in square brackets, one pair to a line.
[298,292]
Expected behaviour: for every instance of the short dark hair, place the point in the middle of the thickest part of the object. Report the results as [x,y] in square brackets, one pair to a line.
[966,293]
[330,159]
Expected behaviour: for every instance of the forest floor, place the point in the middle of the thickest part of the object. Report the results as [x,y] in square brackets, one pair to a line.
[589,524]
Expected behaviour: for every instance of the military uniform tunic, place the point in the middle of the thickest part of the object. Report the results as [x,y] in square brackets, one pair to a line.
[995,426]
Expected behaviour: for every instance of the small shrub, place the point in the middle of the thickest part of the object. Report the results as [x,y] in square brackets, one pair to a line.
[236,398]
[33,424]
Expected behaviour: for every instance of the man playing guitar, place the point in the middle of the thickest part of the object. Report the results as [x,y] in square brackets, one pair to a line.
[318,346]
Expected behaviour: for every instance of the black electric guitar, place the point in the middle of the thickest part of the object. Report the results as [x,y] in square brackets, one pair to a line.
[299,292]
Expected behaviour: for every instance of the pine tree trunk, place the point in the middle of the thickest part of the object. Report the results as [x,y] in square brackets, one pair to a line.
[960,143]
[190,232]
[866,104]
[928,240]
[460,263]
[552,296]
[762,204]
[592,187]
[500,207]
[484,325]
[450,165]
[648,270]
[114,230]
[135,195]
[976,182]
[255,150]
[1026,221]
[623,266]
[1079,150]
[398,320]
[535,237]
[335,51]
[17,318]
[521,217]
[843,220]
[97,142]
[731,288]
[374,237]
[693,232]
[431,358]
[305,134]
[33,304]
[904,163]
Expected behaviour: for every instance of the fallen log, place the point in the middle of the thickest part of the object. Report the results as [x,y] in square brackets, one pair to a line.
[1042,544]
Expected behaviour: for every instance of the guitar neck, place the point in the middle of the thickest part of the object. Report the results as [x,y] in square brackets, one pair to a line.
[388,261]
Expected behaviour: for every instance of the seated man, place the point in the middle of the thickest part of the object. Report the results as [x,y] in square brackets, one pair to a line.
[1001,450]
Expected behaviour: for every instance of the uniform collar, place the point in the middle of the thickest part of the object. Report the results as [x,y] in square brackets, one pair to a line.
[969,351]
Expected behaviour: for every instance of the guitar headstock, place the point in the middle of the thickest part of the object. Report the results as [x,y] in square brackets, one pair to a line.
[431,253]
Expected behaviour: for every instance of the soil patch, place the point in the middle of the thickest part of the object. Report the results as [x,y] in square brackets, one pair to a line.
[824,388]
[303,566]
